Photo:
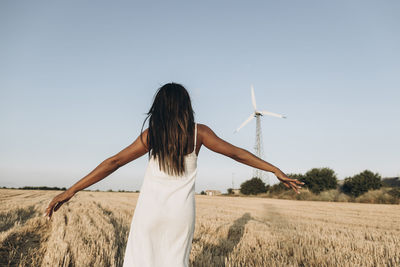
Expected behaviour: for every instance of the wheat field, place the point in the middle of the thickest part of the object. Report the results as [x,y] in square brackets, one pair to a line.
[92,229]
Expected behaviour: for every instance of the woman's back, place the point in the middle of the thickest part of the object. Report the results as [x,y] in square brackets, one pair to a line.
[190,161]
[163,223]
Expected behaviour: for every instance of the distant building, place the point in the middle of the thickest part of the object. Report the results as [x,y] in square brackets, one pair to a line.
[236,191]
[213,192]
[391,181]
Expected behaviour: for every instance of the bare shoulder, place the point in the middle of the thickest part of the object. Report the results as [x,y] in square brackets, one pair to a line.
[202,128]
[210,140]
[143,137]
[204,131]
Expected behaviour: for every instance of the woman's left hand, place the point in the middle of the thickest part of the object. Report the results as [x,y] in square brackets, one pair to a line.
[57,201]
[289,182]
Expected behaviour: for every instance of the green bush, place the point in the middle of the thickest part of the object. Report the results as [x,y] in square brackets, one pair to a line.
[253,186]
[319,179]
[361,183]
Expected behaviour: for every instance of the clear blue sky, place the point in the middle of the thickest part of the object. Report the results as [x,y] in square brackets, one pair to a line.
[76,78]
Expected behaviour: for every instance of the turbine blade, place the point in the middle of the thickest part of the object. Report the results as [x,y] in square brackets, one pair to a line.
[253,98]
[264,112]
[245,122]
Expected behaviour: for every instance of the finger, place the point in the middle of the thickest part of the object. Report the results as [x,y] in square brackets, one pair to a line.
[297,188]
[48,209]
[52,203]
[297,181]
[294,188]
[286,185]
[51,210]
[50,214]
[58,205]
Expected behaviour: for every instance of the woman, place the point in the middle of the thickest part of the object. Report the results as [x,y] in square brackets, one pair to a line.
[162,227]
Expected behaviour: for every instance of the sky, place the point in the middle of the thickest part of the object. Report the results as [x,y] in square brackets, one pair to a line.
[77,77]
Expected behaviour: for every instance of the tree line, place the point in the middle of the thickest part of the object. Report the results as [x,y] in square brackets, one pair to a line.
[318,180]
[63,189]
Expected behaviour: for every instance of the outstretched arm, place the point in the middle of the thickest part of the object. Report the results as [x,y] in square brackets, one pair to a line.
[216,144]
[104,169]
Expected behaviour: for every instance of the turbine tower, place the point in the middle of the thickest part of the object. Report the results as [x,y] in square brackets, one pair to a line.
[258,147]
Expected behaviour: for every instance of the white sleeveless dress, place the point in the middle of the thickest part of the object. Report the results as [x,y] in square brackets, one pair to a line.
[163,223]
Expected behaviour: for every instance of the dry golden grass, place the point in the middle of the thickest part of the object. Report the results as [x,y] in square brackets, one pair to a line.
[92,229]
[380,196]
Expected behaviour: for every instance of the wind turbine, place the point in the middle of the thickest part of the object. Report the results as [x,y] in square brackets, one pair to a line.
[258,147]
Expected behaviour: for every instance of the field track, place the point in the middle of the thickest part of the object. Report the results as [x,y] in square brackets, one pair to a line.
[91,230]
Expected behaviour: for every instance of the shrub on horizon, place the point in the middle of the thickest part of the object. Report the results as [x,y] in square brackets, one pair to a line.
[319,179]
[253,186]
[361,183]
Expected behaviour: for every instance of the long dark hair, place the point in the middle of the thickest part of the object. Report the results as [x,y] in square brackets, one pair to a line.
[171,127]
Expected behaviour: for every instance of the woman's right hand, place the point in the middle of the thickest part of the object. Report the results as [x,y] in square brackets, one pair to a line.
[289,182]
[57,201]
